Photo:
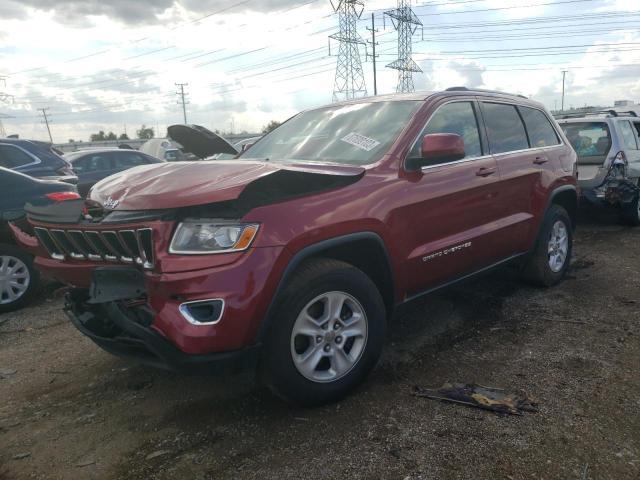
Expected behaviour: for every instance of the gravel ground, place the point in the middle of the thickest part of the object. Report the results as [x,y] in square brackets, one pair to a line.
[69,411]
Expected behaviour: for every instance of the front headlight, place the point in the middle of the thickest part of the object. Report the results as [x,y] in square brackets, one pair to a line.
[201,237]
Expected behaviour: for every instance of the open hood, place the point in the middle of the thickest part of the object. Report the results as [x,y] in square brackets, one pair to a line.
[203,143]
[177,185]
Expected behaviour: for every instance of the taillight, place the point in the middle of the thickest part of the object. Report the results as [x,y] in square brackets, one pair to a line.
[62,196]
[620,159]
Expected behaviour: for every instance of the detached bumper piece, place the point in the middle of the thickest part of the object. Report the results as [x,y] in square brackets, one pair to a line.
[124,329]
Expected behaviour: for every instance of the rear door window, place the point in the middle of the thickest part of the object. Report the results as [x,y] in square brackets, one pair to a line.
[541,132]
[504,128]
[628,135]
[458,118]
[92,163]
[13,157]
[588,139]
[125,160]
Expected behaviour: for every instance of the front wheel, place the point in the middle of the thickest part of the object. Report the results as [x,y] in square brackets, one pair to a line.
[18,278]
[326,335]
[550,258]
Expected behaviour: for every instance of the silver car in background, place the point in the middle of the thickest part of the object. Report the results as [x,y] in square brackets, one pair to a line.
[608,148]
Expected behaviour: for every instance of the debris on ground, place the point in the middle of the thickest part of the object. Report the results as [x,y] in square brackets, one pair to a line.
[487,398]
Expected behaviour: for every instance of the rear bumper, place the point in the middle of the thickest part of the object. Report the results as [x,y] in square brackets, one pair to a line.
[120,333]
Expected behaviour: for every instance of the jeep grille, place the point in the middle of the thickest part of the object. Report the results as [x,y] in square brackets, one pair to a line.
[126,246]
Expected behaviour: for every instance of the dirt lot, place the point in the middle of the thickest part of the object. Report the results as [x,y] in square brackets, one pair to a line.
[68,410]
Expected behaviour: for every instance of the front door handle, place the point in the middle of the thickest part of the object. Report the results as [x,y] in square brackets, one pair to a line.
[540,160]
[485,172]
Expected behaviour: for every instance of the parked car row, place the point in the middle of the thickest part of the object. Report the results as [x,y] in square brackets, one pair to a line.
[293,256]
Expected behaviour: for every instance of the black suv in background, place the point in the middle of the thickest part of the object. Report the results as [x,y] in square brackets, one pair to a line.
[18,278]
[91,166]
[37,159]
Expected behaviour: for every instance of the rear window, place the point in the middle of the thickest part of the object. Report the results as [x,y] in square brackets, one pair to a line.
[588,139]
[504,128]
[541,132]
[13,157]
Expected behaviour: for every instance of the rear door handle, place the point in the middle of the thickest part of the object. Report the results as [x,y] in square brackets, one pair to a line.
[540,160]
[485,172]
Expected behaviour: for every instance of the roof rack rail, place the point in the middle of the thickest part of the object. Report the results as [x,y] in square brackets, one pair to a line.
[466,89]
[608,113]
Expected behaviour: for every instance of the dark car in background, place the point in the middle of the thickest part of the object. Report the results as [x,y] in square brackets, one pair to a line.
[91,166]
[18,278]
[34,158]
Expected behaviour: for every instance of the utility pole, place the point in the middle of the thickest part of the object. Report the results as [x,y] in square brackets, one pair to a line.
[46,121]
[373,43]
[564,73]
[406,22]
[349,80]
[182,99]
[4,98]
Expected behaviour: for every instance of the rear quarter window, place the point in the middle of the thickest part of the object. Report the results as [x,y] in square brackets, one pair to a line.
[13,157]
[628,135]
[541,132]
[504,128]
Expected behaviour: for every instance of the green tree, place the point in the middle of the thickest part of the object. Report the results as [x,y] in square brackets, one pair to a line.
[111,136]
[145,133]
[272,125]
[97,137]
[123,136]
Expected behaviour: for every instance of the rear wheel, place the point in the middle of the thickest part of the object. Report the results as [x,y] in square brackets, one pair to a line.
[631,211]
[327,333]
[18,278]
[550,259]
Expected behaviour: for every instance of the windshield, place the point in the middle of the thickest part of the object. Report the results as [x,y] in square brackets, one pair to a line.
[356,134]
[588,139]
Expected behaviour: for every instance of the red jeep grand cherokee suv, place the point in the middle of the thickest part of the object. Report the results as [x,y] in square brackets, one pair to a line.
[293,256]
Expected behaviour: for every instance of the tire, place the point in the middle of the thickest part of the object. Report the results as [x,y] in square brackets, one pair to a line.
[539,270]
[630,212]
[341,360]
[16,266]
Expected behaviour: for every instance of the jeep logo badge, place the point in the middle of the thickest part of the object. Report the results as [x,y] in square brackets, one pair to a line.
[111,204]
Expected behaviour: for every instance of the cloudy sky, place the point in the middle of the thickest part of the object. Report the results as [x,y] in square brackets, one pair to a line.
[112,64]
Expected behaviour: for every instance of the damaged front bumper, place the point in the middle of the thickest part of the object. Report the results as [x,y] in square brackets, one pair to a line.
[125,329]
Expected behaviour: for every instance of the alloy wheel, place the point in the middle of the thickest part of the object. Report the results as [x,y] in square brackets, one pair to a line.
[329,337]
[558,246]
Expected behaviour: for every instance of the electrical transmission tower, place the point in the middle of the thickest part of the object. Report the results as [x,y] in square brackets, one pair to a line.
[349,81]
[182,100]
[406,23]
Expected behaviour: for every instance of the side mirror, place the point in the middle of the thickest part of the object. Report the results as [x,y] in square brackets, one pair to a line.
[438,148]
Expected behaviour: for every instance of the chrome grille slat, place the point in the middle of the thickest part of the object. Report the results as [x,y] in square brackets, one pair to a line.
[129,241]
[115,245]
[60,238]
[47,242]
[80,243]
[127,246]
[96,241]
[144,236]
